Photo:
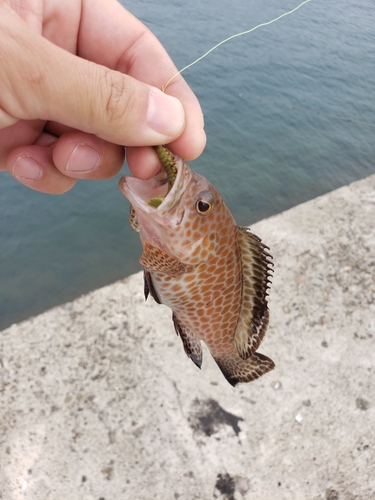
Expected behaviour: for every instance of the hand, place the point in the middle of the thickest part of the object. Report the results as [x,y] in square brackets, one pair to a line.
[80,80]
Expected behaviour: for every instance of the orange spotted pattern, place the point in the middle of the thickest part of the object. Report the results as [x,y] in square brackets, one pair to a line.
[211,273]
[207,300]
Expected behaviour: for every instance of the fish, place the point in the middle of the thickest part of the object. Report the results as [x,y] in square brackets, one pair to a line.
[213,274]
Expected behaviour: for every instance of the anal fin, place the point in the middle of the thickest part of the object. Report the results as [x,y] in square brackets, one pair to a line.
[191,343]
[237,370]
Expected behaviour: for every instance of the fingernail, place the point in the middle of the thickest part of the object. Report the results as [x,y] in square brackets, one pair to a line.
[27,168]
[83,159]
[165,113]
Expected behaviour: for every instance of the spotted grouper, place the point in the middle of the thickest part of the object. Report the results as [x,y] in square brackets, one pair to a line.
[213,274]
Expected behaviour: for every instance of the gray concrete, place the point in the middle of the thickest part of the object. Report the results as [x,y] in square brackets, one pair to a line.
[98,399]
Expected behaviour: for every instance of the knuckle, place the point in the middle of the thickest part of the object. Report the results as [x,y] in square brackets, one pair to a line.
[117,100]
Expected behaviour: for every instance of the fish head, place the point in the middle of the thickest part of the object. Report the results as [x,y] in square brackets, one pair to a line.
[189,222]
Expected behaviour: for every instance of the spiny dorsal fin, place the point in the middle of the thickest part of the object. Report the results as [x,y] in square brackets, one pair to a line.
[254,316]
[156,259]
[191,343]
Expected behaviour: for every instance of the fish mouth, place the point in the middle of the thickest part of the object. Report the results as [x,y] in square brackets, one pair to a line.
[140,192]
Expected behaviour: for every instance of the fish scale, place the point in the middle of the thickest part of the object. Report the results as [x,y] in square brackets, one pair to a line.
[197,297]
[213,274]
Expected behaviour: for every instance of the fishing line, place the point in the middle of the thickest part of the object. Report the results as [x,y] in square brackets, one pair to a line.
[231,38]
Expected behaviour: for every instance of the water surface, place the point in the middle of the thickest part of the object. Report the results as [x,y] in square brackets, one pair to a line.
[289,113]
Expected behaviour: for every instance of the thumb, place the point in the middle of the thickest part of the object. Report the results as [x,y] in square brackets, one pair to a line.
[43,81]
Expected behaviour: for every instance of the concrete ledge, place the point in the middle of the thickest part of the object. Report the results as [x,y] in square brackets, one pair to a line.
[99,401]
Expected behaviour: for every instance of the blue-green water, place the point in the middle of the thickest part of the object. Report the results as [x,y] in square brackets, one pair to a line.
[289,113]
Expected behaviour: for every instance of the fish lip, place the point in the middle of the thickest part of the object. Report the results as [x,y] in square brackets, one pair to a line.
[139,192]
[175,195]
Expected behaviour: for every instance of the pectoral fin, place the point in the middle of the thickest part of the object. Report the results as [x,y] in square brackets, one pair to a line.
[133,221]
[156,259]
[254,315]
[192,344]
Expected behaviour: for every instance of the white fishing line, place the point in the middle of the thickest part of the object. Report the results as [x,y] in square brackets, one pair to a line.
[231,38]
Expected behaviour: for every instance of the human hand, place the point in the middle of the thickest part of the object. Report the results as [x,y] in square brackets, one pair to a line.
[80,80]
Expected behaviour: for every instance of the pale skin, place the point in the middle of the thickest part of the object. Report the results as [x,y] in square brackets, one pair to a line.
[79,80]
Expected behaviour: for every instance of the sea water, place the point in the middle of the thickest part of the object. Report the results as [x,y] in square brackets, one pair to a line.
[289,115]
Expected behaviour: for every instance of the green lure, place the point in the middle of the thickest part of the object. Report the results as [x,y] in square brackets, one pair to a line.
[167,160]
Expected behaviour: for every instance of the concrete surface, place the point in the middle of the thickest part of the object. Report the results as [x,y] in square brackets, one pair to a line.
[99,401]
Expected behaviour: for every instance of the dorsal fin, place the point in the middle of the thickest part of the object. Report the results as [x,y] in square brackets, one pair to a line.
[254,316]
[156,259]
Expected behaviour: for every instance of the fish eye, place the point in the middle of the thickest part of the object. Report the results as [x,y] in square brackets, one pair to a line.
[203,207]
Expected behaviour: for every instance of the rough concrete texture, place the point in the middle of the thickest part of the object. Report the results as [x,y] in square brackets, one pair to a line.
[99,401]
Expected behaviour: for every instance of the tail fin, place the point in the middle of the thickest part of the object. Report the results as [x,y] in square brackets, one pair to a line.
[236,369]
